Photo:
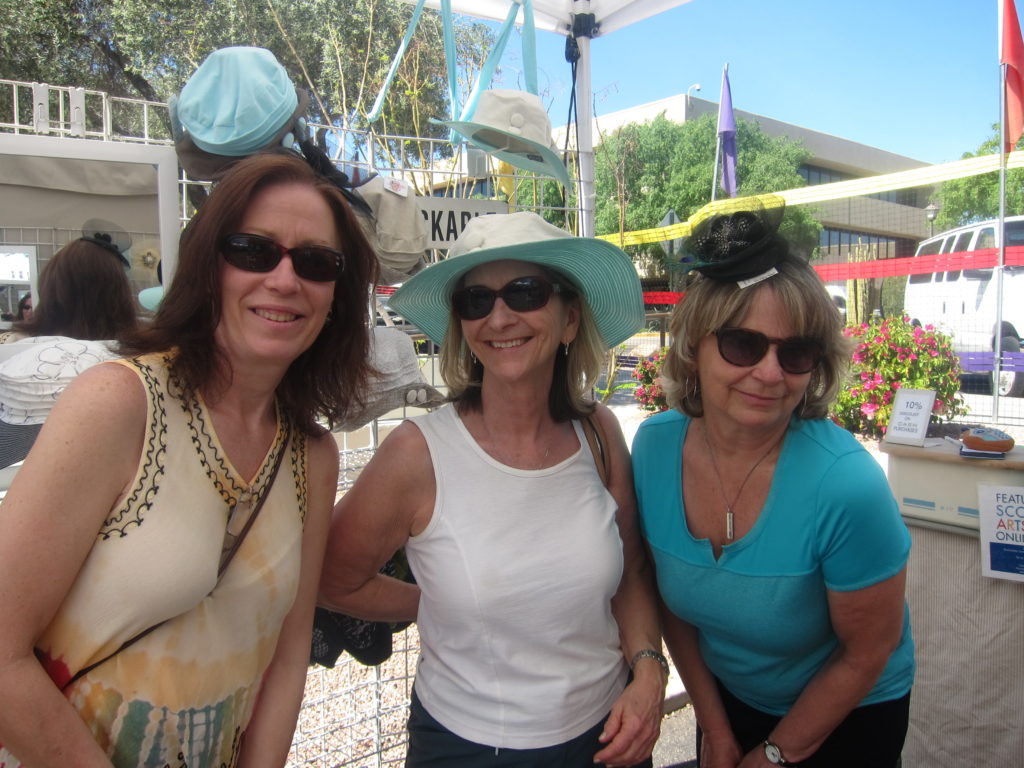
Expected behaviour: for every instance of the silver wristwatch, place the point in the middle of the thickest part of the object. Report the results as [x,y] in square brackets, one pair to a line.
[774,755]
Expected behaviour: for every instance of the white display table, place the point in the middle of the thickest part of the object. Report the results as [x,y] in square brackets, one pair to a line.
[968,697]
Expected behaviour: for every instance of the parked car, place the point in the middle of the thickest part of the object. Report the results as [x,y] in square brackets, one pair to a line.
[838,295]
[963,303]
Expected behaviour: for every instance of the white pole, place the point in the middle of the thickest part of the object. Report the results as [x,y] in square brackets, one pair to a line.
[585,133]
[997,344]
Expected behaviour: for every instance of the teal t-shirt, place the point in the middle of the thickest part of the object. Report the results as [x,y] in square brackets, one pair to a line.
[829,522]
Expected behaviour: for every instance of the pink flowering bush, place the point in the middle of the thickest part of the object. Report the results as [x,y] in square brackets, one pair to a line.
[891,353]
[648,392]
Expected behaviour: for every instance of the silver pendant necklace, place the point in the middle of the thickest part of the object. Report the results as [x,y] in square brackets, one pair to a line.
[729,516]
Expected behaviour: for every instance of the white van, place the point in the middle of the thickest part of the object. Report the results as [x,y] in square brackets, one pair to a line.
[963,303]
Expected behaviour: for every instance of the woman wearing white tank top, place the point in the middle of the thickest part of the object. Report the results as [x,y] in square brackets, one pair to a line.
[539,635]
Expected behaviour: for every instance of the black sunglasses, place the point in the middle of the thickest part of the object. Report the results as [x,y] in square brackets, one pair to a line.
[255,253]
[524,294]
[745,348]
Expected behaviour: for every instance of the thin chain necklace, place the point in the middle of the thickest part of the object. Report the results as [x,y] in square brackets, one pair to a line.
[729,516]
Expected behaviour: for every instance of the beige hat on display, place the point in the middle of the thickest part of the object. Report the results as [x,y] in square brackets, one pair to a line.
[514,127]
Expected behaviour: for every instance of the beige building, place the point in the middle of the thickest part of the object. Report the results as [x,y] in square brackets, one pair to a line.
[887,225]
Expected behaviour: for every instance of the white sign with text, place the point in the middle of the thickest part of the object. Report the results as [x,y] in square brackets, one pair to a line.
[1001,530]
[446,217]
[911,414]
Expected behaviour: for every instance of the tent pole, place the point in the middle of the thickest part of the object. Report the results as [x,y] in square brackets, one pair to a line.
[585,125]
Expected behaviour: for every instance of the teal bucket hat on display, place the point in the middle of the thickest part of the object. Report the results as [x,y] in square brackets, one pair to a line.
[240,100]
[601,272]
[514,127]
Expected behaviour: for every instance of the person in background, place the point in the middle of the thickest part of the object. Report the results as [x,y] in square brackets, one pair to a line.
[24,308]
[779,549]
[84,293]
[87,298]
[533,595]
[160,547]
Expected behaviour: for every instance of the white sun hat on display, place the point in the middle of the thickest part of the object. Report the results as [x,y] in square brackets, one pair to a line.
[514,127]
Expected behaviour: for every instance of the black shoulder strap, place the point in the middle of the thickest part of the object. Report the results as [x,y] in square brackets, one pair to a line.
[595,439]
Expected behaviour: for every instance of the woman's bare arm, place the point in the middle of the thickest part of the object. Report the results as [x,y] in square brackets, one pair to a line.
[85,457]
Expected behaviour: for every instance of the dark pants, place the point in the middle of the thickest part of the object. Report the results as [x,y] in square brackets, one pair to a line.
[870,737]
[431,745]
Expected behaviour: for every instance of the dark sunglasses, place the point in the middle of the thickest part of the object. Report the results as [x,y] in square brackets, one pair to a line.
[745,348]
[255,253]
[524,294]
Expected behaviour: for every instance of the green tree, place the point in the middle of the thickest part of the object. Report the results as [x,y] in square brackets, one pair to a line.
[976,198]
[340,52]
[644,170]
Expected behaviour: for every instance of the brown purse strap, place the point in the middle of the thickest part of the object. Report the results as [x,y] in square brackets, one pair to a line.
[226,558]
[597,442]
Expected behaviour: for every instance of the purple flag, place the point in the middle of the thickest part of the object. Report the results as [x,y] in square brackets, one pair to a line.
[727,137]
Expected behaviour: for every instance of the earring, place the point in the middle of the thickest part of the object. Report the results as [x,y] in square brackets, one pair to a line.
[566,348]
[803,406]
[696,388]
[472,356]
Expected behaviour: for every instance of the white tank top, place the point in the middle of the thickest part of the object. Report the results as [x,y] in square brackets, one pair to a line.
[518,646]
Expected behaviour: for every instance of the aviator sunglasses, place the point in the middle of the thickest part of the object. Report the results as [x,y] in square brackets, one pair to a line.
[745,348]
[255,253]
[524,294]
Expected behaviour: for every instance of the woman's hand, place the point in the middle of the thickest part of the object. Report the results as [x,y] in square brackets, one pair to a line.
[634,724]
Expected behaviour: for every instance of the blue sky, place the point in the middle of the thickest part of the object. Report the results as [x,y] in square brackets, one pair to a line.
[916,78]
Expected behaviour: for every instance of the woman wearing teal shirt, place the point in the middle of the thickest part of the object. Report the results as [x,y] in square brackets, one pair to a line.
[779,548]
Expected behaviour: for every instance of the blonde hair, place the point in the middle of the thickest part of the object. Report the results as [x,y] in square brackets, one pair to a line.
[711,304]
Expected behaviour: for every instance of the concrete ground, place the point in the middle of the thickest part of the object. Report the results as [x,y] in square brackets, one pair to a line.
[675,747]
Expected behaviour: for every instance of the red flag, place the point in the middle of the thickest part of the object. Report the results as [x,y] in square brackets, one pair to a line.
[1012,55]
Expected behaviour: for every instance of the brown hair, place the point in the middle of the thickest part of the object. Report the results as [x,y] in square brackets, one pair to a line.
[712,304]
[326,380]
[84,293]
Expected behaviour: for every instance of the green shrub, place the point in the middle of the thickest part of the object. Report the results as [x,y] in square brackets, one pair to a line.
[891,353]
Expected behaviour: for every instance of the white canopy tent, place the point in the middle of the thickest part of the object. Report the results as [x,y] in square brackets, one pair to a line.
[560,16]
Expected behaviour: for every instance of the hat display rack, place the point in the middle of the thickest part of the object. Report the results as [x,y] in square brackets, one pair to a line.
[511,125]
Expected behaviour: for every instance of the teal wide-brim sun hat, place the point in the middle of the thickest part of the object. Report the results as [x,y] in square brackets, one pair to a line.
[602,273]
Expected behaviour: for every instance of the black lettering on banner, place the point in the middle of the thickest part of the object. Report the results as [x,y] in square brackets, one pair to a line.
[433,217]
[453,228]
[446,226]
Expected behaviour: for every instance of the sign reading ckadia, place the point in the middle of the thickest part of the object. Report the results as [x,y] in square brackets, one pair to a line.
[1001,530]
[446,217]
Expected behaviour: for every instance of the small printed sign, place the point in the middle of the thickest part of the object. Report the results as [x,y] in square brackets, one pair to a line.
[1001,530]
[911,414]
